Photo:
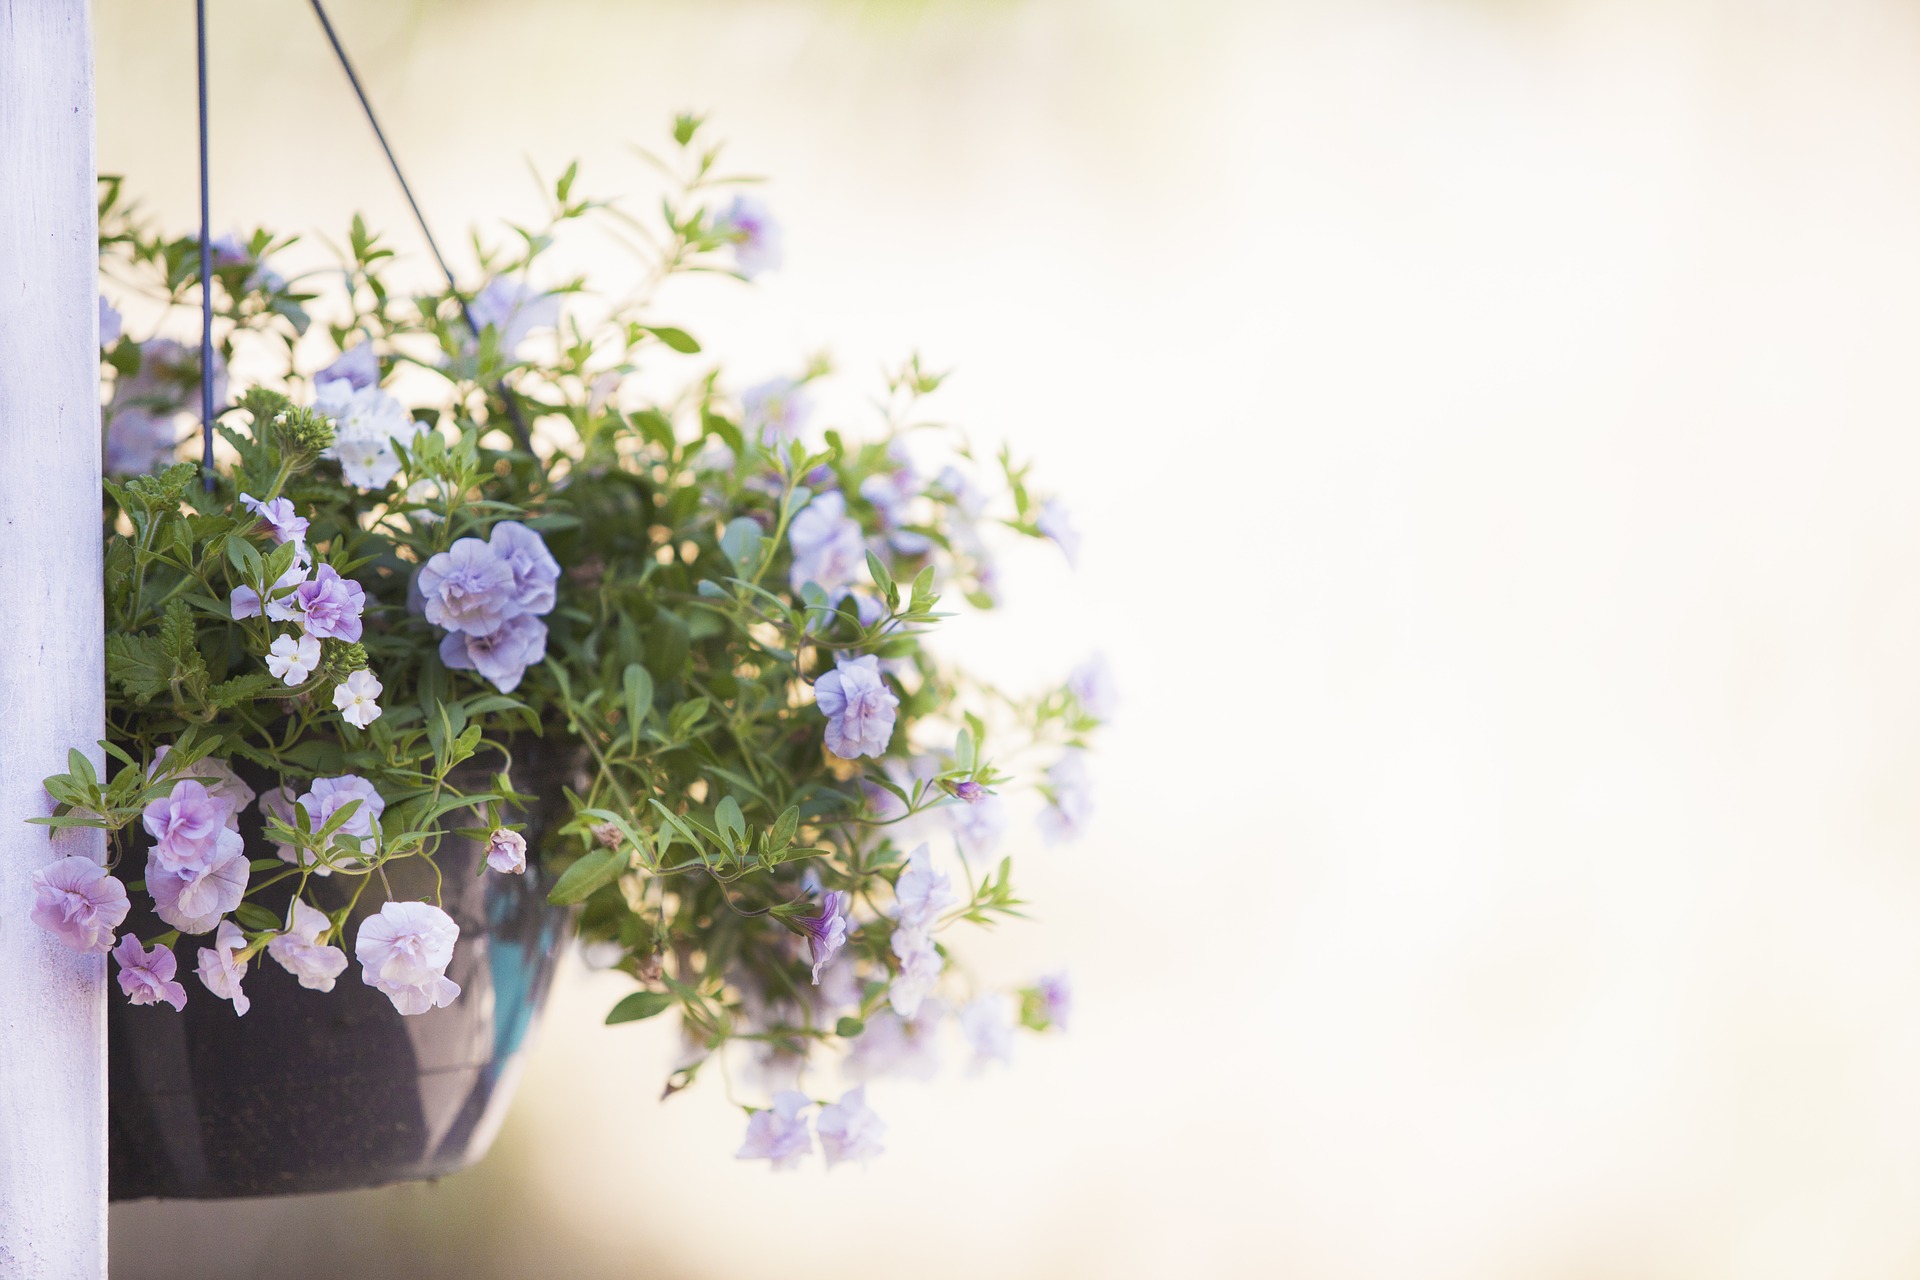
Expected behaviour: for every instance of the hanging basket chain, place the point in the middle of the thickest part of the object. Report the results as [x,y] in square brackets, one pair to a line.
[520,433]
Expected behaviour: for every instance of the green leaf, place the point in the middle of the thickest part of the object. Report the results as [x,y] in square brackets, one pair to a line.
[883,580]
[848,1028]
[641,1004]
[679,339]
[585,876]
[255,916]
[741,543]
[638,686]
[783,829]
[137,665]
[733,823]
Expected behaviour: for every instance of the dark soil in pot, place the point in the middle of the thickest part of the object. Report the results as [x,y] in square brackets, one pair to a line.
[328,1091]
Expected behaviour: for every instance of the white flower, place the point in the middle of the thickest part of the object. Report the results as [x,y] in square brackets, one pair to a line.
[919,971]
[921,893]
[849,1130]
[293,658]
[220,972]
[988,1025]
[404,952]
[366,423]
[301,953]
[779,1133]
[355,698]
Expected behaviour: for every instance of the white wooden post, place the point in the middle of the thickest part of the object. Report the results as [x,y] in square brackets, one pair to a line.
[53,1042]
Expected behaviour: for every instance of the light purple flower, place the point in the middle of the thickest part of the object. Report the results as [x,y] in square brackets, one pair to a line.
[282,606]
[828,548]
[826,931]
[779,1133]
[143,427]
[775,411]
[754,233]
[404,952]
[330,605]
[328,796]
[146,977]
[110,323]
[193,897]
[218,777]
[77,901]
[895,1046]
[502,655]
[1070,791]
[468,588]
[507,851]
[966,493]
[849,1130]
[988,1025]
[970,791]
[978,827]
[1056,998]
[921,893]
[280,517]
[1057,523]
[357,698]
[220,973]
[1091,684]
[358,366]
[514,309]
[301,953]
[859,708]
[920,966]
[535,571]
[186,825]
[892,494]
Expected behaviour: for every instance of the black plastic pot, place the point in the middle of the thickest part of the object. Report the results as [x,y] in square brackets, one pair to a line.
[314,1091]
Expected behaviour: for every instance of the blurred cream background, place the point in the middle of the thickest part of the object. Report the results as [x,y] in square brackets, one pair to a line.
[1494,428]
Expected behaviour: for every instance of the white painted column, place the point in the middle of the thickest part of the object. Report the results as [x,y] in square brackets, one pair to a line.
[53,1041]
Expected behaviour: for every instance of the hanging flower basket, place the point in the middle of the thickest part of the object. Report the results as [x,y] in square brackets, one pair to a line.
[499,617]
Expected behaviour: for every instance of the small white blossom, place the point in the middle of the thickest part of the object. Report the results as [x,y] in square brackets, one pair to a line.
[355,699]
[293,658]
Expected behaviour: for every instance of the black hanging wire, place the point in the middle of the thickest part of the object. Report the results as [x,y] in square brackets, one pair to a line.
[346,64]
[206,270]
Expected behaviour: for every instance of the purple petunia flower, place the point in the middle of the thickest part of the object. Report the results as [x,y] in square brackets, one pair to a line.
[849,1130]
[896,1046]
[921,893]
[859,708]
[77,901]
[970,791]
[404,952]
[977,827]
[110,323]
[330,605]
[186,825]
[281,605]
[502,655]
[301,953]
[1070,792]
[513,309]
[779,1133]
[147,977]
[755,235]
[194,896]
[507,851]
[358,366]
[280,517]
[468,588]
[1091,684]
[1056,998]
[988,1025]
[535,571]
[775,411]
[1057,523]
[920,966]
[826,932]
[220,972]
[218,777]
[828,549]
[328,796]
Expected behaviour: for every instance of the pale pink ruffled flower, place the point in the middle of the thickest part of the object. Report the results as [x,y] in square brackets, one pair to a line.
[220,972]
[859,707]
[920,966]
[147,977]
[301,953]
[507,851]
[404,952]
[77,901]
